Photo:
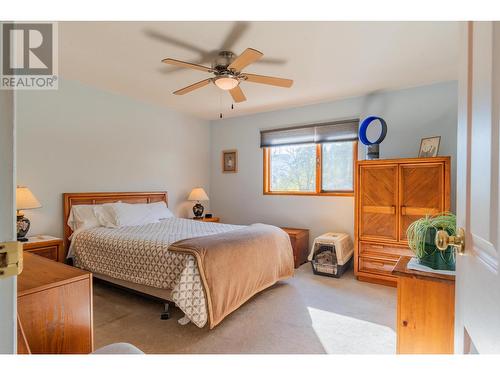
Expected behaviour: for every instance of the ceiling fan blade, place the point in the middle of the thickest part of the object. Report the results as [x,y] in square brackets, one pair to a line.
[187,65]
[237,94]
[171,40]
[270,60]
[192,87]
[237,31]
[248,56]
[266,80]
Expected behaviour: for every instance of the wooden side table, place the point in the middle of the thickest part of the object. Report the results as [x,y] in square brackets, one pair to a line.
[209,220]
[300,244]
[46,246]
[426,311]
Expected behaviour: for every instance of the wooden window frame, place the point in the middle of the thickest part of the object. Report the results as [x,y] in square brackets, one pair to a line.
[319,165]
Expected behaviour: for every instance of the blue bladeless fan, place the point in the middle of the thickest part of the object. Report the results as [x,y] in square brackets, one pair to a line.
[372,148]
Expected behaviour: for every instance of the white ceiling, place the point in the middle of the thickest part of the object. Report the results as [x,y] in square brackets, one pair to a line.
[327,60]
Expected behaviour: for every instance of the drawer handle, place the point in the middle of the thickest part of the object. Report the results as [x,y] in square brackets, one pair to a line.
[418,211]
[405,323]
[391,210]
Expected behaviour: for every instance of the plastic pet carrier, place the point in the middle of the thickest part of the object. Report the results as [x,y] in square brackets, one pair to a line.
[331,254]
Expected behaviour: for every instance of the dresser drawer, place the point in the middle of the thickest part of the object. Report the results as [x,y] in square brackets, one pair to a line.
[368,249]
[49,252]
[376,265]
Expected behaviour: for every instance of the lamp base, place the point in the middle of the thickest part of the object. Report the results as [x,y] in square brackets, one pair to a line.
[198,210]
[23,226]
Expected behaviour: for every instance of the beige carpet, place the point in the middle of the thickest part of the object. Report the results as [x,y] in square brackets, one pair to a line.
[306,314]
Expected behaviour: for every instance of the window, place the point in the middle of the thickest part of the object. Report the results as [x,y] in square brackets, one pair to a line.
[338,166]
[293,168]
[310,160]
[310,169]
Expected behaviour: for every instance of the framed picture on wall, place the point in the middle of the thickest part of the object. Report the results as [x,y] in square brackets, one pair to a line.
[429,147]
[229,161]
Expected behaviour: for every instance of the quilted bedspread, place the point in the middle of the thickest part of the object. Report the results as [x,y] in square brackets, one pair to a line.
[140,254]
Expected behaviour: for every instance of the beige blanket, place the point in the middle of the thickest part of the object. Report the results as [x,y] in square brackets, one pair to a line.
[236,265]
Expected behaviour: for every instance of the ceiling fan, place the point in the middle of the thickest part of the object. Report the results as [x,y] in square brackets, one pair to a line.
[227,70]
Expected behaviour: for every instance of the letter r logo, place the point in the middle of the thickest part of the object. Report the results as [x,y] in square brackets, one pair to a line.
[27,49]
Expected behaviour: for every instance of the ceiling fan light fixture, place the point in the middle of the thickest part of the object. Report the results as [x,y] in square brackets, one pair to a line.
[226,82]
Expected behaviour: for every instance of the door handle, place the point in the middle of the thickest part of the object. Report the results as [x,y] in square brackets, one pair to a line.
[11,259]
[443,240]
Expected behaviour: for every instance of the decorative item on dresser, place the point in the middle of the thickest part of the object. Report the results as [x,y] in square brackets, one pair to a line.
[372,148]
[46,246]
[422,240]
[54,304]
[25,200]
[390,195]
[429,147]
[300,244]
[426,311]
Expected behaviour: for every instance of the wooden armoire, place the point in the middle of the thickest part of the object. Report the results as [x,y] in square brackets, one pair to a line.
[390,195]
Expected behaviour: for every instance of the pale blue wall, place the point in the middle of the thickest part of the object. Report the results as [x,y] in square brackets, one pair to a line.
[411,114]
[80,138]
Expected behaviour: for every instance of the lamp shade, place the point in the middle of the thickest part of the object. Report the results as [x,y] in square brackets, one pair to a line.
[198,194]
[25,199]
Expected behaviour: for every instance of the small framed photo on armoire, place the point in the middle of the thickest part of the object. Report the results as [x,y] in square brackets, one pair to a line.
[429,147]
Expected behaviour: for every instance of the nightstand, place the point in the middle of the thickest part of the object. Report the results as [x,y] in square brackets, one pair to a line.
[210,220]
[46,246]
[300,244]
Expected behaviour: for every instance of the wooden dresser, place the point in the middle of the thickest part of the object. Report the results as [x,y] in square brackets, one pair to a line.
[300,244]
[426,311]
[54,304]
[390,195]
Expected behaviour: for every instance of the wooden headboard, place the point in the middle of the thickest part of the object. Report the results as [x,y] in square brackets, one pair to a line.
[71,199]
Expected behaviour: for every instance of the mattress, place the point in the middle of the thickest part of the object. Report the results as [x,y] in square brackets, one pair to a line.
[139,254]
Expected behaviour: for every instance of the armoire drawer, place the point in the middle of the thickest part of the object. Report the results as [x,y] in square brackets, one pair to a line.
[376,265]
[368,249]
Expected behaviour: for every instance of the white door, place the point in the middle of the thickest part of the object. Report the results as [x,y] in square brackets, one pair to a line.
[477,322]
[7,222]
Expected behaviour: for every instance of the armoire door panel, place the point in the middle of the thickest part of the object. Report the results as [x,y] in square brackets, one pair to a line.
[421,193]
[378,202]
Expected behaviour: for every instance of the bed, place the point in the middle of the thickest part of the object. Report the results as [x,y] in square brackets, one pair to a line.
[207,269]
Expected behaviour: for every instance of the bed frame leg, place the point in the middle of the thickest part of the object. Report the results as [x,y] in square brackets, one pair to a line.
[165,314]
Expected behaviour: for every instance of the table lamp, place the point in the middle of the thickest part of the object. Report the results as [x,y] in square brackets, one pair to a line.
[25,200]
[198,194]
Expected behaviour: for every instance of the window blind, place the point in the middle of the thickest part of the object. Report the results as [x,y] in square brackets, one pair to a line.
[335,131]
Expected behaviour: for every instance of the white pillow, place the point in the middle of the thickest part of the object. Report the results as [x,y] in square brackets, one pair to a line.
[86,216]
[82,217]
[160,210]
[126,214]
[105,215]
